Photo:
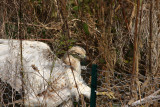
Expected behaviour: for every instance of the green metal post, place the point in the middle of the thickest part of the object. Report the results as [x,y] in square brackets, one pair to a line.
[93,86]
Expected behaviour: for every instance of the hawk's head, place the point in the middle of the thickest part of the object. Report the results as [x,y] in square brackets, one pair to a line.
[77,52]
[74,56]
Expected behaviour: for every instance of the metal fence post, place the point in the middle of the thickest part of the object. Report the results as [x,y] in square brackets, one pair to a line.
[93,86]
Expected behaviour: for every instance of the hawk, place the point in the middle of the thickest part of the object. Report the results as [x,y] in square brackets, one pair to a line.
[48,80]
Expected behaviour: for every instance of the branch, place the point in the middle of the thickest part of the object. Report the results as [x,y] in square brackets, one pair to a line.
[148,99]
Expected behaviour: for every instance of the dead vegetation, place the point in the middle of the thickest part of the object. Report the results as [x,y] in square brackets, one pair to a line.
[121,36]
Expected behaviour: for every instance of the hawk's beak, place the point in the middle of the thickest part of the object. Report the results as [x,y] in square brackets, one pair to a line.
[84,61]
[84,57]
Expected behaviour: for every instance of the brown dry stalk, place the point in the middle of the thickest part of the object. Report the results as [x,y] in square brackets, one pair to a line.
[135,57]
[124,15]
[19,16]
[150,43]
[135,41]
[132,16]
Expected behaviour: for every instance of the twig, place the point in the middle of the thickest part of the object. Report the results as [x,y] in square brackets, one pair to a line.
[40,25]
[62,7]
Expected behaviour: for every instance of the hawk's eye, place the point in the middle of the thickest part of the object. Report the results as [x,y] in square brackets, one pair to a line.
[78,54]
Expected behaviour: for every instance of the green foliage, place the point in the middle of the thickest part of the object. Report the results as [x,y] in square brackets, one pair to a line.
[116,105]
[29,30]
[38,1]
[102,61]
[64,43]
[11,30]
[141,2]
[75,8]
[85,28]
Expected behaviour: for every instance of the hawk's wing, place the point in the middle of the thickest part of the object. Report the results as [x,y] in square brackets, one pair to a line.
[37,62]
